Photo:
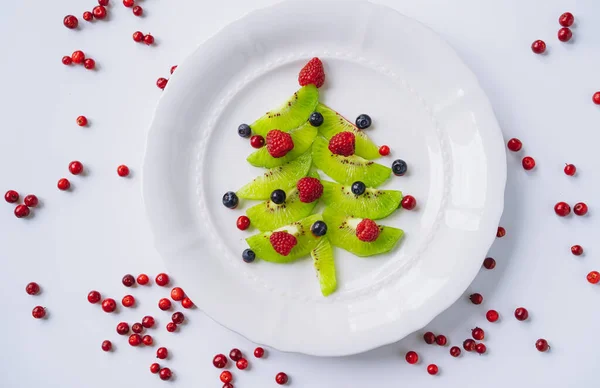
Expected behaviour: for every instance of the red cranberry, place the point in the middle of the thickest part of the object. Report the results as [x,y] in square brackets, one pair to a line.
[123,328]
[562,209]
[123,170]
[106,345]
[566,19]
[31,200]
[137,10]
[173,68]
[82,121]
[429,337]
[99,12]
[235,354]
[148,39]
[109,305]
[281,378]
[227,385]
[21,211]
[412,357]
[78,56]
[501,232]
[38,312]
[478,334]
[147,321]
[476,298]
[219,361]
[137,328]
[88,16]
[143,279]
[538,47]
[570,169]
[128,280]
[384,150]
[243,222]
[489,263]
[94,297]
[542,345]
[441,340]
[259,352]
[241,364]
[103,2]
[178,318]
[32,288]
[226,376]
[11,196]
[66,60]
[480,348]
[187,303]
[528,163]
[593,277]
[154,368]
[596,98]
[177,294]
[162,353]
[577,250]
[514,144]
[165,374]
[455,351]
[521,313]
[565,34]
[492,315]
[63,184]
[70,22]
[164,304]
[257,141]
[75,167]
[162,279]
[408,202]
[469,345]
[128,301]
[147,340]
[580,209]
[171,327]
[432,369]
[138,36]
[128,3]
[89,64]
[135,339]
[162,82]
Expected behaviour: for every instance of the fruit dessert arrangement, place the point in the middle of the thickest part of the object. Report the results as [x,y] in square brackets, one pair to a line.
[294,142]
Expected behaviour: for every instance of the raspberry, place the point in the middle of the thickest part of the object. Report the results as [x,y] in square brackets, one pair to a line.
[309,189]
[283,242]
[342,144]
[312,73]
[367,230]
[279,143]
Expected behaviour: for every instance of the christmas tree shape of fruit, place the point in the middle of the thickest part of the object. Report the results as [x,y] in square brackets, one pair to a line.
[302,137]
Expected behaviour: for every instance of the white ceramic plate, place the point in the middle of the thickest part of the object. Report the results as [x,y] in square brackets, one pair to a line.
[426,105]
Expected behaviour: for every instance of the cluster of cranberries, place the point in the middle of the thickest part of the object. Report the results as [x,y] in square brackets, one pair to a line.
[139,37]
[161,83]
[220,361]
[137,10]
[565,34]
[24,209]
[38,312]
[78,57]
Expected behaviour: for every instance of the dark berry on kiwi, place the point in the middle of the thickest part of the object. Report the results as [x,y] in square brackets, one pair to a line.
[363,121]
[316,119]
[358,188]
[278,196]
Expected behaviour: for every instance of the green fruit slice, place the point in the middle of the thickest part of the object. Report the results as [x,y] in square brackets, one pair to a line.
[268,215]
[341,230]
[282,177]
[348,169]
[292,114]
[263,249]
[302,137]
[334,123]
[373,203]
[322,256]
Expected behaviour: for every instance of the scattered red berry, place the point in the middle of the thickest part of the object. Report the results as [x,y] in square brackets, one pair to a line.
[562,209]
[259,352]
[78,56]
[408,202]
[478,334]
[103,2]
[106,345]
[162,279]
[257,141]
[521,313]
[384,150]
[137,328]
[226,376]
[492,315]
[164,304]
[162,353]
[171,327]
[135,339]
[162,82]
[309,189]
[367,230]
[123,170]
[178,317]
[94,297]
[577,250]
[66,60]
[538,47]
[441,340]
[148,39]
[165,374]
[63,184]
[241,364]
[243,222]
[219,361]
[596,98]
[128,301]
[11,196]
[580,209]
[489,263]
[469,345]
[38,312]
[70,22]
[528,163]
[137,10]
[476,298]
[514,144]
[109,305]
[128,280]
[283,242]
[99,12]
[31,200]
[455,351]
[82,121]
[21,211]
[593,277]
[227,385]
[147,321]
[566,19]
[565,34]
[75,168]
[89,64]
[480,348]
[154,368]
[235,354]
[279,143]
[177,294]
[147,340]
[501,232]
[542,345]
[281,378]
[88,16]
[128,3]
[432,369]
[570,169]
[143,279]
[138,36]
[173,68]
[342,143]
[412,357]
[123,328]
[32,288]
[187,303]
[429,337]
[312,73]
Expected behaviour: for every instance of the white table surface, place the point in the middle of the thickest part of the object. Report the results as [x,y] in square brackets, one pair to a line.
[90,237]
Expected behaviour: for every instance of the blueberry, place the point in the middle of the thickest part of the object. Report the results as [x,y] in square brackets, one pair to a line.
[316,119]
[244,130]
[248,255]
[278,196]
[363,121]
[230,200]
[358,188]
[319,228]
[399,167]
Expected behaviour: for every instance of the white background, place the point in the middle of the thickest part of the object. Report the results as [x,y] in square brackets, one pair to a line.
[90,237]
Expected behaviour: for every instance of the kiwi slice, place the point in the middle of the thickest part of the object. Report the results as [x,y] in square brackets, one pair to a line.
[293,113]
[268,215]
[334,123]
[282,177]
[302,137]
[342,233]
[348,169]
[263,249]
[322,256]
[373,203]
